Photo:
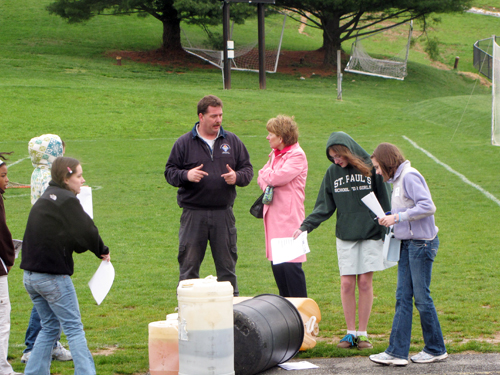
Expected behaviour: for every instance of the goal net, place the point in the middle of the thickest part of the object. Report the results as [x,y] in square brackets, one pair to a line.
[495,117]
[392,67]
[246,49]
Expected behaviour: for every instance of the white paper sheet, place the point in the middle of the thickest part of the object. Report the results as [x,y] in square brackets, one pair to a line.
[18,244]
[373,204]
[17,249]
[286,249]
[85,198]
[101,282]
[302,365]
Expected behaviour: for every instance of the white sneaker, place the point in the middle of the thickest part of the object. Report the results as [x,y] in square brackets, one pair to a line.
[25,357]
[16,373]
[424,357]
[59,353]
[386,359]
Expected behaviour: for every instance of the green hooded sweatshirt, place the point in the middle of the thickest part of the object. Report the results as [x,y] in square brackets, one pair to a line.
[342,190]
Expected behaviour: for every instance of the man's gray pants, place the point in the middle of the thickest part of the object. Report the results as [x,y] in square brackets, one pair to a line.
[198,227]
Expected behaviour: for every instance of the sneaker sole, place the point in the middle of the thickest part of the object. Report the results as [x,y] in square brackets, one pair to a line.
[392,362]
[61,360]
[435,359]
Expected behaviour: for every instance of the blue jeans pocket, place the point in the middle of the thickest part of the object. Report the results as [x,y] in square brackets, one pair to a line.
[49,289]
[425,248]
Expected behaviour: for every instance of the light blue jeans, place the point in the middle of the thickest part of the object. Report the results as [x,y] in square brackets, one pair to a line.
[55,299]
[414,280]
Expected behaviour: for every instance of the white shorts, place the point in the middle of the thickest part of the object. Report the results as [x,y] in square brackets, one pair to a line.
[359,257]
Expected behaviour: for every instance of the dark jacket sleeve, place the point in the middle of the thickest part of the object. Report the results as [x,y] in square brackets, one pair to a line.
[382,191]
[7,252]
[82,229]
[244,169]
[323,209]
[175,174]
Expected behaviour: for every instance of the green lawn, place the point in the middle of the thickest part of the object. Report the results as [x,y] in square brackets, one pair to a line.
[121,122]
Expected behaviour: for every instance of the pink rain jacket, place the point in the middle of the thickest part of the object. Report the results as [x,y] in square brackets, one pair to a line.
[287,173]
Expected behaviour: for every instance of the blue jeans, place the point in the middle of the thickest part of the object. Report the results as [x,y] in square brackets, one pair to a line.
[414,280]
[32,331]
[55,299]
[34,327]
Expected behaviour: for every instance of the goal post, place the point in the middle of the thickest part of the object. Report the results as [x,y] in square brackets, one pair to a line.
[495,113]
[362,63]
[246,53]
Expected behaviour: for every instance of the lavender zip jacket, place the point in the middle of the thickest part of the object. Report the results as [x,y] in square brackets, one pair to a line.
[412,199]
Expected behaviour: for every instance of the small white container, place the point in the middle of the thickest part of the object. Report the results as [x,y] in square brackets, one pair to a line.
[164,346]
[206,327]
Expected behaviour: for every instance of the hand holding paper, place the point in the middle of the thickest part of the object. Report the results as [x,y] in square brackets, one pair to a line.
[373,204]
[286,249]
[101,282]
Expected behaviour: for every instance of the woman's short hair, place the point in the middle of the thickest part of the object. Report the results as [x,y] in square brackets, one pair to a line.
[389,157]
[63,168]
[284,127]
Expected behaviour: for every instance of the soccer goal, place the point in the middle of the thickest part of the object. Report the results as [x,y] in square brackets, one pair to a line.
[495,116]
[246,49]
[362,63]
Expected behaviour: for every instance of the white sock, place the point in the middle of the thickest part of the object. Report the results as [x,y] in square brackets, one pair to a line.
[361,333]
[351,333]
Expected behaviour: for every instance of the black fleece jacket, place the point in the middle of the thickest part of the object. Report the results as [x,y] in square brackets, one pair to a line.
[57,227]
[212,192]
[6,246]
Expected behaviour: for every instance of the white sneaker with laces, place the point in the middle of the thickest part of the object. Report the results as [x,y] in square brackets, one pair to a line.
[424,357]
[59,353]
[25,357]
[386,359]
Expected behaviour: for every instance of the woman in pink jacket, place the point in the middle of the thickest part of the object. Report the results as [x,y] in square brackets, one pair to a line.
[286,171]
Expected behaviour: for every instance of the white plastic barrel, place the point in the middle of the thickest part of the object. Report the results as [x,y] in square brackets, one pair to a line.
[206,332]
[163,347]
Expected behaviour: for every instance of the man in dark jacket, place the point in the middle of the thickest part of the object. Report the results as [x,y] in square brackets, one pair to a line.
[207,164]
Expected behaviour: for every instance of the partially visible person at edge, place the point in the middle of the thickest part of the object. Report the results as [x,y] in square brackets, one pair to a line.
[286,171]
[58,226]
[7,256]
[412,216]
[358,236]
[207,164]
[43,150]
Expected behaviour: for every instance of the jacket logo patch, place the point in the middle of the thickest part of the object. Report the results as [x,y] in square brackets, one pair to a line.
[225,148]
[53,197]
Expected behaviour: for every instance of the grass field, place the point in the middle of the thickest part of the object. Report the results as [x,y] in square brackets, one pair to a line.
[121,122]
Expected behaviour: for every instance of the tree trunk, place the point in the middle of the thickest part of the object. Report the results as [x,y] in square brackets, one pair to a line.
[171,32]
[331,39]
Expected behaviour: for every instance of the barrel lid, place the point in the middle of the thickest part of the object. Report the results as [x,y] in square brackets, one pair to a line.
[208,286]
[163,324]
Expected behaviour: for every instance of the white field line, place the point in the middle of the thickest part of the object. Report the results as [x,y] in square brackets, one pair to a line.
[27,195]
[461,176]
[484,12]
[17,162]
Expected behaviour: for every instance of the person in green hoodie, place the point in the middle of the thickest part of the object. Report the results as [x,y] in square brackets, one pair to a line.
[359,237]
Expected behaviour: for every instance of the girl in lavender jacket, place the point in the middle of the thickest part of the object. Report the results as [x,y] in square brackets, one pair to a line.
[412,216]
[286,170]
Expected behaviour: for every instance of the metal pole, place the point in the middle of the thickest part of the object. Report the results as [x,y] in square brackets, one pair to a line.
[225,36]
[262,46]
[279,45]
[339,76]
